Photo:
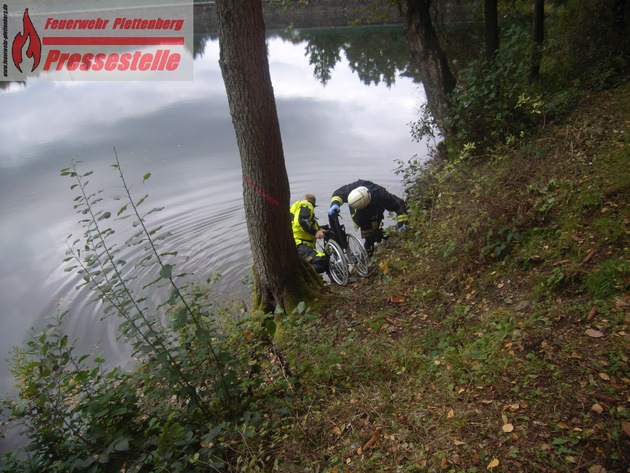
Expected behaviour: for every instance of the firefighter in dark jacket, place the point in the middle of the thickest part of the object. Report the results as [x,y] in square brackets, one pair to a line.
[368,202]
[306,231]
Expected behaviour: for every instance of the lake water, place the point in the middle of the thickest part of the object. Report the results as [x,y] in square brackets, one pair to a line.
[180,132]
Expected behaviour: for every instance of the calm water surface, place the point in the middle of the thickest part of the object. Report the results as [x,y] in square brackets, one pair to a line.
[182,134]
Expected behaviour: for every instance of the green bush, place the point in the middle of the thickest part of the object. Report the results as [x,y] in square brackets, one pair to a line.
[494,103]
[204,394]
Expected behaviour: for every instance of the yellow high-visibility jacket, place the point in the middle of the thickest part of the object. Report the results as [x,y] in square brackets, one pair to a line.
[303,223]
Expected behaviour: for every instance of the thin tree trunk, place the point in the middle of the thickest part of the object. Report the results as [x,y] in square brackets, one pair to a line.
[538,37]
[281,277]
[491,28]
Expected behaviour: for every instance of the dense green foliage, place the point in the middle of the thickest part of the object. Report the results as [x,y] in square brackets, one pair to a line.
[497,102]
[494,102]
[203,385]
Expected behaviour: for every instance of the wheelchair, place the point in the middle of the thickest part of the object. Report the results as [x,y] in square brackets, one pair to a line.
[345,252]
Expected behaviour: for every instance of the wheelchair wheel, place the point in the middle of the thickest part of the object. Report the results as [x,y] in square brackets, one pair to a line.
[338,265]
[357,256]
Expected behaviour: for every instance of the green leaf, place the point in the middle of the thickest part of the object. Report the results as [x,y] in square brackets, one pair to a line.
[202,334]
[102,412]
[155,209]
[174,297]
[166,271]
[142,200]
[181,317]
[155,230]
[270,326]
[103,458]
[85,463]
[120,411]
[122,445]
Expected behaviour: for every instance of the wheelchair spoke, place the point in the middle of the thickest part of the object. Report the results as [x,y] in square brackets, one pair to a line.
[357,256]
[338,265]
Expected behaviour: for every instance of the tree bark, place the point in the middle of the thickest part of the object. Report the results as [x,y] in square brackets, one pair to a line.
[437,78]
[281,277]
[491,28]
[538,37]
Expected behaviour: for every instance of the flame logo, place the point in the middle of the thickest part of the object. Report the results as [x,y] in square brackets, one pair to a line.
[34,50]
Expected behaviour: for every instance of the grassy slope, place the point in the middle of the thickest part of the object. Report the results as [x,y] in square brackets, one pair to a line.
[453,360]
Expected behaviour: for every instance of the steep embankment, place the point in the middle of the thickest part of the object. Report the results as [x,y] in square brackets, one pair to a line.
[448,358]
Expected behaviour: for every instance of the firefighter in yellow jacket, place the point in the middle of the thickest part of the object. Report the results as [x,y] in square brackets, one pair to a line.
[306,232]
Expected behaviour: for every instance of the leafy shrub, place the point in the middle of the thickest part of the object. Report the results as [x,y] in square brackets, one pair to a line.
[80,417]
[494,103]
[204,395]
[499,242]
[549,197]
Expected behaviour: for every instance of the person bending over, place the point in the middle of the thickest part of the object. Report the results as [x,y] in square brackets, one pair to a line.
[368,202]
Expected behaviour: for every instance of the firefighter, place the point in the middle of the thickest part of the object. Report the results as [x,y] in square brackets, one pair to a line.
[306,231]
[368,202]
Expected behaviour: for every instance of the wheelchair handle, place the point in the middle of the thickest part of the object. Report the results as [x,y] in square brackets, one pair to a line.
[338,231]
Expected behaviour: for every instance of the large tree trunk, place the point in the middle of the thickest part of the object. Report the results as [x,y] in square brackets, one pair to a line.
[281,277]
[437,78]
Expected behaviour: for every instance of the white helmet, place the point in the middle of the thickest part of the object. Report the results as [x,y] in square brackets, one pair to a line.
[359,198]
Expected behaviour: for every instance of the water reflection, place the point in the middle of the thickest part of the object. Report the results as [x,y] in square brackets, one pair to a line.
[182,133]
[376,54]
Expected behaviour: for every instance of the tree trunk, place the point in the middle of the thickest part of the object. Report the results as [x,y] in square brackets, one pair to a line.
[538,37]
[491,28]
[281,277]
[437,78]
